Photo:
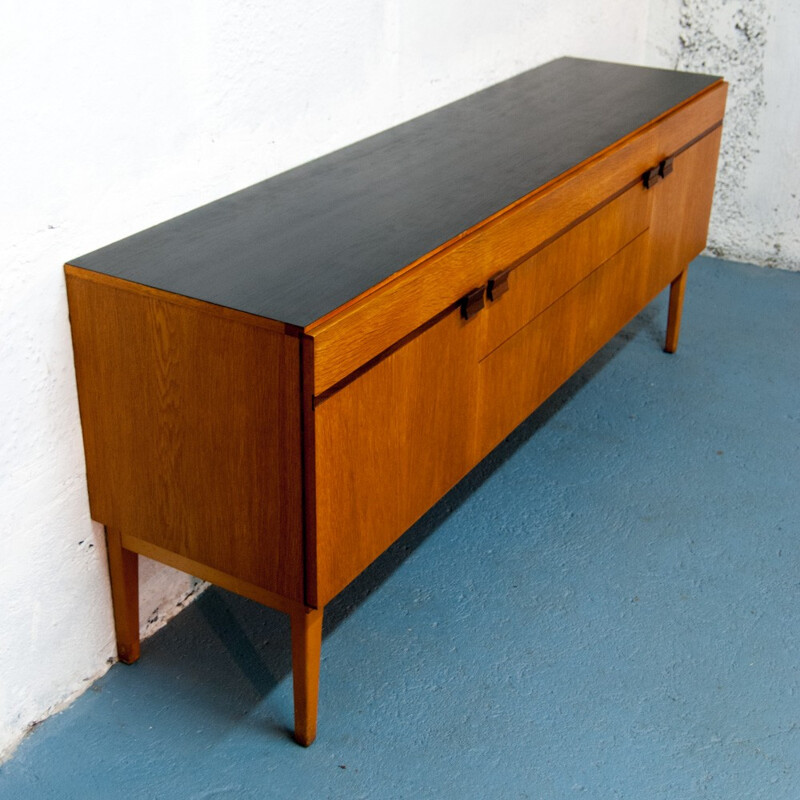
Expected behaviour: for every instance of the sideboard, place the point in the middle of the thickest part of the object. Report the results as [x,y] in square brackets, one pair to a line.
[275,386]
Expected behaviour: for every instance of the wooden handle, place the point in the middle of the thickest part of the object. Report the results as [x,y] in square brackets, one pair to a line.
[473,302]
[498,284]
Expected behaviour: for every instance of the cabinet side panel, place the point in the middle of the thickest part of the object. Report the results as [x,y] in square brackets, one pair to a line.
[191,426]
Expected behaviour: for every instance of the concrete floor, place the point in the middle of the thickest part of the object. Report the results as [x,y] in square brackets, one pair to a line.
[607,607]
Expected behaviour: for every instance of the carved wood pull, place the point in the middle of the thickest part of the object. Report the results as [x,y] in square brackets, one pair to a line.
[498,285]
[651,177]
[473,302]
[654,175]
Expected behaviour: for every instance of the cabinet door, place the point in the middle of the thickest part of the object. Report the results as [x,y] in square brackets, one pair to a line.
[192,429]
[681,208]
[389,444]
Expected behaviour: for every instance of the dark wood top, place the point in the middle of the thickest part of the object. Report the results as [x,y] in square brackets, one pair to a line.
[300,244]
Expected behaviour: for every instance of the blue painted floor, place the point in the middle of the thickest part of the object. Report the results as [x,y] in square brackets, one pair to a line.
[607,607]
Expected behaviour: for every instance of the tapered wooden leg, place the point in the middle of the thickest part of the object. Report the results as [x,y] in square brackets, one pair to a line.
[306,650]
[123,569]
[676,292]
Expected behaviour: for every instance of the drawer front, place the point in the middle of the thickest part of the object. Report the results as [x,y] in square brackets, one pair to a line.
[372,323]
[544,277]
[519,375]
[389,444]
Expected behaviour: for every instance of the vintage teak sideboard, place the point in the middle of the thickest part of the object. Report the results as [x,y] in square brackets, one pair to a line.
[275,386]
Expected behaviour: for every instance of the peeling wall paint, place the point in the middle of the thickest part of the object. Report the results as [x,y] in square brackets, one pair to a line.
[120,116]
[756,214]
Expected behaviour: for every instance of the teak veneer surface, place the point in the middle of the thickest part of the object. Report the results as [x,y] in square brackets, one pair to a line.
[394,437]
[684,205]
[392,442]
[559,341]
[299,245]
[191,429]
[364,328]
[544,277]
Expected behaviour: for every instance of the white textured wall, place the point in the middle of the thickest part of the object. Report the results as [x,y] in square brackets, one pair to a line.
[117,116]
[754,45]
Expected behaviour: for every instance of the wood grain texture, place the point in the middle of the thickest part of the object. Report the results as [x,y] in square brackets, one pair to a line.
[677,290]
[306,652]
[191,427]
[200,306]
[301,244]
[551,272]
[123,572]
[365,328]
[230,582]
[309,472]
[383,454]
[525,370]
[390,444]
[682,208]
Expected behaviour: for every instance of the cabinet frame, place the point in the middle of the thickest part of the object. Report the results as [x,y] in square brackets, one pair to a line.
[245,449]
